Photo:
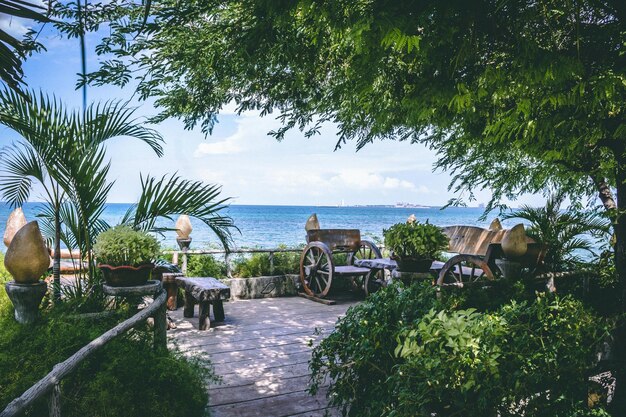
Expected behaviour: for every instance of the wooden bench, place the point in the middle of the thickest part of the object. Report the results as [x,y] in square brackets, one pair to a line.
[205,291]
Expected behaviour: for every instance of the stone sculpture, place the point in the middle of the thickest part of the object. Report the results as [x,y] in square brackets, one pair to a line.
[15,222]
[183,227]
[312,223]
[27,257]
[514,244]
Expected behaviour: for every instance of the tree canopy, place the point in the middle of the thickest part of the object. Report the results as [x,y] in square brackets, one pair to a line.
[514,95]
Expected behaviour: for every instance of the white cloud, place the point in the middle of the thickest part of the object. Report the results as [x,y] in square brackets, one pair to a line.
[224,147]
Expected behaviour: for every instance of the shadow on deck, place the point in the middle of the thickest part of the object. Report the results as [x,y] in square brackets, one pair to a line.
[261,352]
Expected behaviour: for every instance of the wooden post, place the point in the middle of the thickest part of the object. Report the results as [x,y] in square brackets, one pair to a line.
[160,328]
[54,401]
[271,263]
[227,261]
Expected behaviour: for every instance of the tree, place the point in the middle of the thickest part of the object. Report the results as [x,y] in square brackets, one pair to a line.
[63,151]
[516,96]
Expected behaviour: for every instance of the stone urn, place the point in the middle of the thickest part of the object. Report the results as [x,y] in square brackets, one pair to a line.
[183,227]
[312,223]
[15,222]
[27,257]
[514,244]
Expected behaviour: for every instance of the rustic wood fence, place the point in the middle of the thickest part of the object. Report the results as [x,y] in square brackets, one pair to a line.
[50,384]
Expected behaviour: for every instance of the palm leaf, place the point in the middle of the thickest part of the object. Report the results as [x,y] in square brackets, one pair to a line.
[169,196]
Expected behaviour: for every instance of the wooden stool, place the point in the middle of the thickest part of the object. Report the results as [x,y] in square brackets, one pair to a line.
[205,291]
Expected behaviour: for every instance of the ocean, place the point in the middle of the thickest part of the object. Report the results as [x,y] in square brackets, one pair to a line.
[270,226]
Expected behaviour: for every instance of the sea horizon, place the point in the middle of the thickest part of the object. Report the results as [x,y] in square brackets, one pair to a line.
[268,226]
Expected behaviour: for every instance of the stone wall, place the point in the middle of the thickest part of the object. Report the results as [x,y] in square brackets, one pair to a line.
[264,287]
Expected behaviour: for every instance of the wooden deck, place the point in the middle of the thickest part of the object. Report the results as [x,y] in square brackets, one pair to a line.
[261,352]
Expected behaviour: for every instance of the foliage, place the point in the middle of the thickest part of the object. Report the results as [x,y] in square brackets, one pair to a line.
[64,152]
[416,240]
[408,353]
[12,50]
[122,245]
[171,195]
[259,264]
[205,266]
[358,355]
[564,234]
[125,377]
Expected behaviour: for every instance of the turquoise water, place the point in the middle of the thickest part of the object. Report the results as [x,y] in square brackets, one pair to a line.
[269,226]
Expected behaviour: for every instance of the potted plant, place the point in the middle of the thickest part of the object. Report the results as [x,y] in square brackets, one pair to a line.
[415,245]
[126,256]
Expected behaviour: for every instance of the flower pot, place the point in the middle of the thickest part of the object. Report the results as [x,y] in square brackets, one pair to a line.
[413,265]
[126,275]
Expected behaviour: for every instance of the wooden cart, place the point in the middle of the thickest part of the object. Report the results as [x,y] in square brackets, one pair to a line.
[318,269]
[478,251]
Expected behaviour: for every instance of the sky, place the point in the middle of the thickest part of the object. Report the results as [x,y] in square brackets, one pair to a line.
[252,167]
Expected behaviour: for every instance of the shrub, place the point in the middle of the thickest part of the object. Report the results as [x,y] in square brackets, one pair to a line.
[205,266]
[125,378]
[121,245]
[415,240]
[409,354]
[259,264]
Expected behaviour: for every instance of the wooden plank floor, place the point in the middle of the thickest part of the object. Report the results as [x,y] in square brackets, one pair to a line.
[261,353]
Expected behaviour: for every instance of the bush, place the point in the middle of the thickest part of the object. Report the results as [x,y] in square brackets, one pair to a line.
[415,240]
[409,354]
[125,378]
[205,266]
[258,264]
[121,245]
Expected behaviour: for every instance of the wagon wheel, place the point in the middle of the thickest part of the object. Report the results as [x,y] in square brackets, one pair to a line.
[316,269]
[373,281]
[461,270]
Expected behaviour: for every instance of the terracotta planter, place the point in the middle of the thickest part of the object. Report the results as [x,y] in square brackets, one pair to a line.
[126,275]
[412,264]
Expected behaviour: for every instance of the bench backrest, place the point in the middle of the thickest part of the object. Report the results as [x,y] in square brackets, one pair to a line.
[472,240]
[336,239]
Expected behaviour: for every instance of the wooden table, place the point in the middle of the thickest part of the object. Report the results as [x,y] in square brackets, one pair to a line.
[206,292]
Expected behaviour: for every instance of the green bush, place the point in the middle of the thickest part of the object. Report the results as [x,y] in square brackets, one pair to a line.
[125,378]
[259,264]
[121,245]
[409,353]
[205,266]
[416,240]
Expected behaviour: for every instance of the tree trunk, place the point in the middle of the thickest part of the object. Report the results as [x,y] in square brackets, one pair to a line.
[619,227]
[56,263]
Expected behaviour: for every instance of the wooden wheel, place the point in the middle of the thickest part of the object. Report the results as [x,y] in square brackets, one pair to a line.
[464,270]
[316,269]
[373,281]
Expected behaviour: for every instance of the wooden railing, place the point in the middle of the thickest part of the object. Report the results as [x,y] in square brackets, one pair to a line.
[50,384]
[227,256]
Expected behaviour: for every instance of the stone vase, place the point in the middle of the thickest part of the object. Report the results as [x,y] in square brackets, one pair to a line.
[183,227]
[27,257]
[15,222]
[514,243]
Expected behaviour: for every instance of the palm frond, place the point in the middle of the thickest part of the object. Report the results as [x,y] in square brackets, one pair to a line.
[19,165]
[169,196]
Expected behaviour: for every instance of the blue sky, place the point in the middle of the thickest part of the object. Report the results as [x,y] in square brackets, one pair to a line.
[252,167]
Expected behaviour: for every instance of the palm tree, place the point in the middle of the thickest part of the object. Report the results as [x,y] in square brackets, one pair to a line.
[63,151]
[565,234]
